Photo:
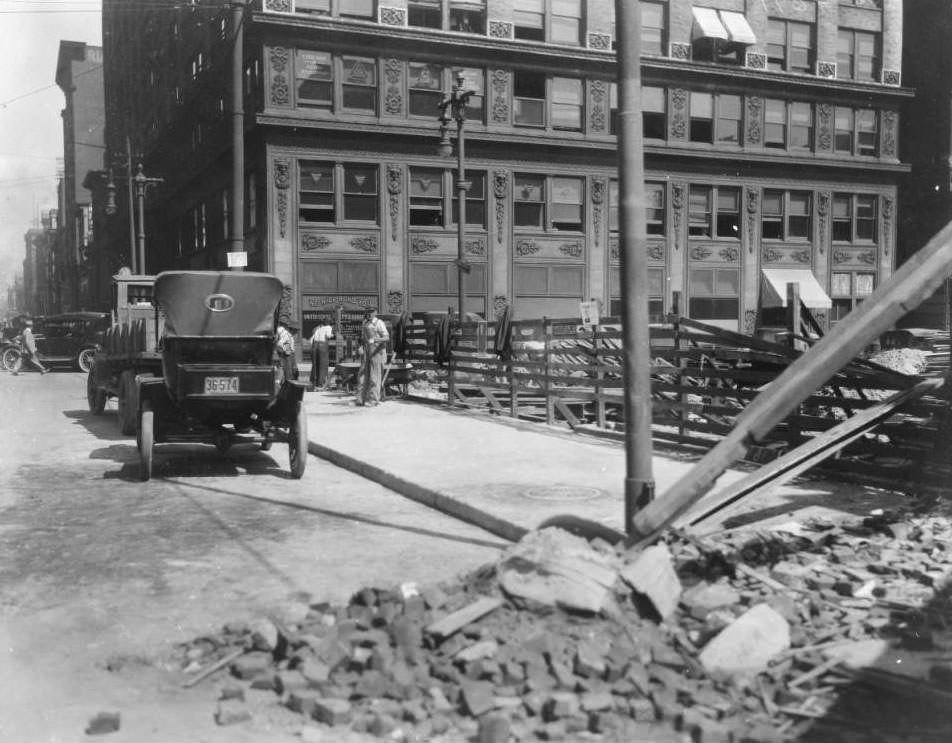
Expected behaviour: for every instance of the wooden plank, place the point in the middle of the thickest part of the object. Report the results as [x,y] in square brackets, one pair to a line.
[567,413]
[807,455]
[493,402]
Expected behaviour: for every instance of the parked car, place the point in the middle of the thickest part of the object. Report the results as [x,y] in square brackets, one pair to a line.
[70,338]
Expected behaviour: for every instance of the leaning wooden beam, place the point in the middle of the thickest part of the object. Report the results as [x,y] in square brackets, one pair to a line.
[906,289]
[807,455]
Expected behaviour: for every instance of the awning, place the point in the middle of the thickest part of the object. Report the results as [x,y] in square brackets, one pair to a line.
[737,27]
[775,288]
[707,25]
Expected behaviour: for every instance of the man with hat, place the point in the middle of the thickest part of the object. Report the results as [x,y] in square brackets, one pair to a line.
[373,346]
[29,348]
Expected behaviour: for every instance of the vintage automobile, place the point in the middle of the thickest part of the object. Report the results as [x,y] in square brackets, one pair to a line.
[67,339]
[221,382]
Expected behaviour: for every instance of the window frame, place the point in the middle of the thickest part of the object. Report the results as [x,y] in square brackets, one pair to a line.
[448,210]
[785,215]
[545,30]
[786,62]
[720,302]
[846,302]
[848,58]
[789,123]
[342,198]
[656,215]
[715,215]
[545,204]
[857,202]
[856,132]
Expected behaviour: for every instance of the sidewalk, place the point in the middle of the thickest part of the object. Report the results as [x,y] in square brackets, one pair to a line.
[511,476]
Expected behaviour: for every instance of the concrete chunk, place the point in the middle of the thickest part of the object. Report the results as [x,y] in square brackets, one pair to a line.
[748,644]
[652,574]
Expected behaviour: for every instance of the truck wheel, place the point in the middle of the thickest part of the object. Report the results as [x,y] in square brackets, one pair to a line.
[297,442]
[84,360]
[146,440]
[95,396]
[128,403]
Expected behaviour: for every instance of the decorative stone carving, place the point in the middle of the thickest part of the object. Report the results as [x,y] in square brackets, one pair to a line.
[756,61]
[501,192]
[614,250]
[679,104]
[280,88]
[755,107]
[422,245]
[752,205]
[313,242]
[729,254]
[282,182]
[527,247]
[826,69]
[887,209]
[892,77]
[572,249]
[824,127]
[867,257]
[750,322]
[888,146]
[841,256]
[598,197]
[677,211]
[365,244]
[679,50]
[599,41]
[476,246]
[597,118]
[279,6]
[656,251]
[279,58]
[392,16]
[700,252]
[395,301]
[500,29]
[771,255]
[500,107]
[394,188]
[823,209]
[393,99]
[800,256]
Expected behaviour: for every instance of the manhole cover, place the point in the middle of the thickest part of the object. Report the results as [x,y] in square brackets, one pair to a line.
[562,492]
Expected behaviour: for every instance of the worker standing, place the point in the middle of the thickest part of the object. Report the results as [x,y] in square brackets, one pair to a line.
[373,345]
[320,352]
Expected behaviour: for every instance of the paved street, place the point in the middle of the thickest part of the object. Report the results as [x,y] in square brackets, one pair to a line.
[100,574]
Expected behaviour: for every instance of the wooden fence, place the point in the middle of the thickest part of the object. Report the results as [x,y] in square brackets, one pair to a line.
[703,377]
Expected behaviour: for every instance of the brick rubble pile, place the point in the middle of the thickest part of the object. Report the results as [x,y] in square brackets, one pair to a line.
[816,632]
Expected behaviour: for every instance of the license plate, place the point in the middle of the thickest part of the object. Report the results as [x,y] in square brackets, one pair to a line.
[221,385]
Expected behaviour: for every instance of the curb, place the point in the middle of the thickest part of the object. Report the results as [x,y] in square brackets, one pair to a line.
[450,506]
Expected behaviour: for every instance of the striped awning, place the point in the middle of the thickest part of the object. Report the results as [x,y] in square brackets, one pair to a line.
[707,25]
[737,27]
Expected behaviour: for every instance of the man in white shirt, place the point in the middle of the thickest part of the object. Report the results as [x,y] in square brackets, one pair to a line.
[320,352]
[373,342]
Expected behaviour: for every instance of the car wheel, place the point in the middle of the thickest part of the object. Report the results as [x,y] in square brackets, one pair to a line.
[145,438]
[84,360]
[95,395]
[11,359]
[297,442]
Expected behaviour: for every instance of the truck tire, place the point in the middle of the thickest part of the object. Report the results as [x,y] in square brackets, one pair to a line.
[128,403]
[145,438]
[85,358]
[95,396]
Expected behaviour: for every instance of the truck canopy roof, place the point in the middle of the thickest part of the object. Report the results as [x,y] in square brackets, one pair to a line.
[218,303]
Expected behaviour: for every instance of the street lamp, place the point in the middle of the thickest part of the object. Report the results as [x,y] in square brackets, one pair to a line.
[138,185]
[453,107]
[142,184]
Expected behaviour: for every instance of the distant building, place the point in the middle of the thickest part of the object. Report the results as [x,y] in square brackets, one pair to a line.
[771,149]
[82,269]
[39,292]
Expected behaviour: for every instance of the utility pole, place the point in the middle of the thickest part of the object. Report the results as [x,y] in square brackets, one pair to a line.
[237,226]
[636,342]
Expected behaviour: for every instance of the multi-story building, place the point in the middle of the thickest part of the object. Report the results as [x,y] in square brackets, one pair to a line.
[770,133]
[38,292]
[82,273]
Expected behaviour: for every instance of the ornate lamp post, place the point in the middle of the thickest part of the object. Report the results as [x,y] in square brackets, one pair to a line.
[453,107]
[142,184]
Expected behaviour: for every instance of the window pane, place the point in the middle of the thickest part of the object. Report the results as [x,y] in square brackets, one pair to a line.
[361,8]
[773,202]
[426,183]
[864,284]
[728,199]
[727,282]
[565,30]
[702,105]
[652,99]
[840,285]
[701,281]
[314,78]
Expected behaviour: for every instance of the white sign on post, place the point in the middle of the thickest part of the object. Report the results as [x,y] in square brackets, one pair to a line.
[238,259]
[589,312]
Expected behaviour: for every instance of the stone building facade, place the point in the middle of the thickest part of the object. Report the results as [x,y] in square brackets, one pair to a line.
[771,146]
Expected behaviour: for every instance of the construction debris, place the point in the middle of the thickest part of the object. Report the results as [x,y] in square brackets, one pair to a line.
[824,629]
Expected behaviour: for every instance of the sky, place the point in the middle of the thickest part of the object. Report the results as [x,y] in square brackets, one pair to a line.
[31,129]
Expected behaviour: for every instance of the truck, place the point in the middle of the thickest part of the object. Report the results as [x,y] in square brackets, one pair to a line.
[129,349]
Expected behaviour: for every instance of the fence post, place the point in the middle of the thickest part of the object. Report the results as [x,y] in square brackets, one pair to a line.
[450,381]
[599,375]
[683,397]
[546,350]
[794,433]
